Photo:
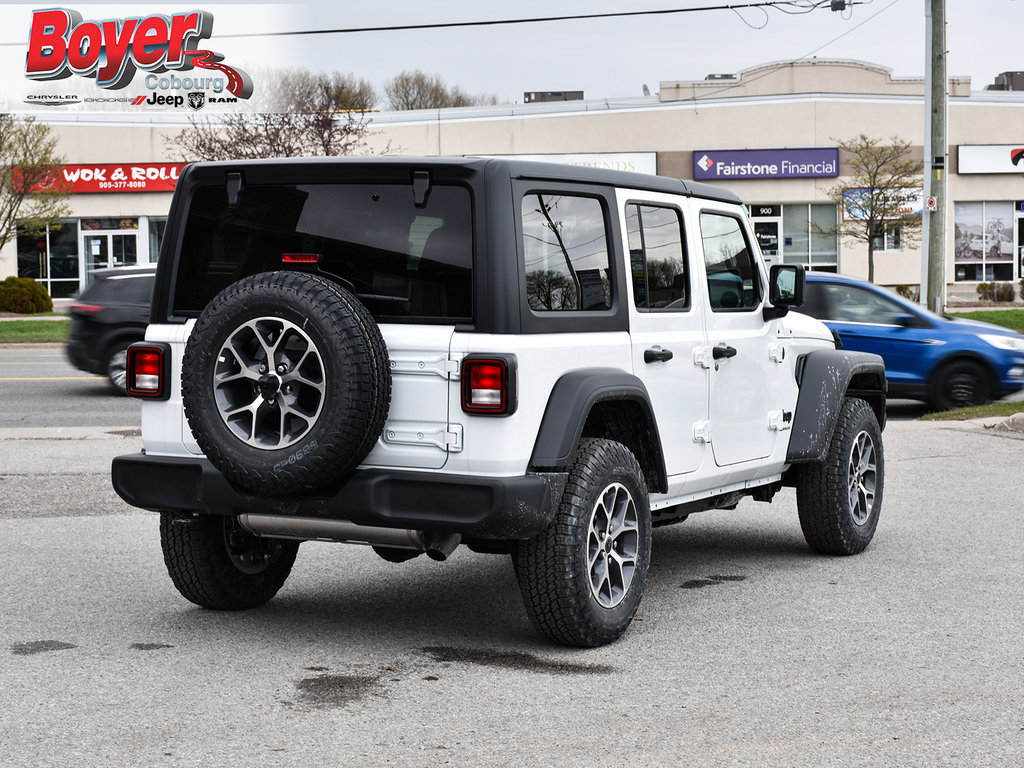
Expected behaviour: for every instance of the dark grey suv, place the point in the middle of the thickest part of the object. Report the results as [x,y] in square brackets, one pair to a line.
[108,316]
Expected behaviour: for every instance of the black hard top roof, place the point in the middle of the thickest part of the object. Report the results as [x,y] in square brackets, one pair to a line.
[517,169]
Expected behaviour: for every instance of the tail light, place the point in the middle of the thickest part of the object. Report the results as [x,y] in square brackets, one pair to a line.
[489,384]
[148,367]
[300,258]
[86,309]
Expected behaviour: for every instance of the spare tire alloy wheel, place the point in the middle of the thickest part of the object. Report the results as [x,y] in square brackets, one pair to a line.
[285,382]
[269,383]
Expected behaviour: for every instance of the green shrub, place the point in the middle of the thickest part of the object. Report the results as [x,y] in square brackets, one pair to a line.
[1000,292]
[24,296]
[907,292]
[1003,292]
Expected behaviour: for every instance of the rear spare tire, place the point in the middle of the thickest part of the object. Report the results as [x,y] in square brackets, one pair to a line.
[285,382]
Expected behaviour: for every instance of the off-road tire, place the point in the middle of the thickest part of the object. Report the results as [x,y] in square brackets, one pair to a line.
[313,328]
[554,569]
[215,564]
[839,501]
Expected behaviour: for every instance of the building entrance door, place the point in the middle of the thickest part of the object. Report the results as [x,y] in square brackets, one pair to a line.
[767,220]
[108,249]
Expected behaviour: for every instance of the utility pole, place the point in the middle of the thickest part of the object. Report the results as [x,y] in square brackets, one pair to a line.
[933,258]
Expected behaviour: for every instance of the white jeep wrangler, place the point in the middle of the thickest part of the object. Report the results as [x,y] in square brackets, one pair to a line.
[531,359]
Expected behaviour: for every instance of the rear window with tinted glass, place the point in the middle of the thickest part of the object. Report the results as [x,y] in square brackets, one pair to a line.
[400,259]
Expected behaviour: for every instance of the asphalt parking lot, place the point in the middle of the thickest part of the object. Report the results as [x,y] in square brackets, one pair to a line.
[747,650]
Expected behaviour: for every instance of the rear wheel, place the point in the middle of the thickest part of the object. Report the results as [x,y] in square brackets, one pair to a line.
[215,563]
[583,577]
[839,500]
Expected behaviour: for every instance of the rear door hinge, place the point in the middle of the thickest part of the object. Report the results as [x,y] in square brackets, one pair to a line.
[704,357]
[777,351]
[702,432]
[447,438]
[444,367]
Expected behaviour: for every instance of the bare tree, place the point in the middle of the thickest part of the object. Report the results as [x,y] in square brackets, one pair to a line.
[295,89]
[880,194]
[321,114]
[32,191]
[413,89]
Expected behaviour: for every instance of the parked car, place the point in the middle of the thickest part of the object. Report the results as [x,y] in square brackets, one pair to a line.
[108,316]
[946,362]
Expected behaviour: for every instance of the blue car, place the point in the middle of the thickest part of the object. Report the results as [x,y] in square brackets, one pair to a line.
[945,362]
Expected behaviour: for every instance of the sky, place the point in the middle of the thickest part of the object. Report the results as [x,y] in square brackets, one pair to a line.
[605,58]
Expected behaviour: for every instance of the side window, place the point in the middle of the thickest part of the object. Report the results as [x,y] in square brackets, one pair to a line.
[656,258]
[565,247]
[853,304]
[733,279]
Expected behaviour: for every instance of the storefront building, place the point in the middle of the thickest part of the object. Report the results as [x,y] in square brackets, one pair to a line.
[769,134]
[118,215]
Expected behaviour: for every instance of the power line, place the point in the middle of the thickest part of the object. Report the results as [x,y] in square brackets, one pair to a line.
[785,6]
[798,6]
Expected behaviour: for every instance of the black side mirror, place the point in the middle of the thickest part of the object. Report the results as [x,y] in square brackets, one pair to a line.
[785,289]
[908,321]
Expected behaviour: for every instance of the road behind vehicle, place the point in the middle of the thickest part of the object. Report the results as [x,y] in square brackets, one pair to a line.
[110,314]
[523,358]
[946,362]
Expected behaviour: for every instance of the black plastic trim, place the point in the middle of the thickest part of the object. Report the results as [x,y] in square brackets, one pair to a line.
[573,398]
[826,377]
[504,508]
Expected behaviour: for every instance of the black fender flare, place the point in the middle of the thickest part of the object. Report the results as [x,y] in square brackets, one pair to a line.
[826,377]
[573,399]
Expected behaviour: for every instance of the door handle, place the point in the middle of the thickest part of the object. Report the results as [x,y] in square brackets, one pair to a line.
[657,355]
[723,351]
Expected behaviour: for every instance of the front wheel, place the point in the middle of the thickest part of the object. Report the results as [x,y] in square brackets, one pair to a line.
[839,500]
[960,385]
[116,366]
[217,564]
[582,578]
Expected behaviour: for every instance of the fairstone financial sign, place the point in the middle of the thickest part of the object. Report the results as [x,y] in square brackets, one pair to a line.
[728,164]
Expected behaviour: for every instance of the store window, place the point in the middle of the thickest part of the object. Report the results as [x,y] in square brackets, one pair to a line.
[809,236]
[890,240]
[984,242]
[157,226]
[51,257]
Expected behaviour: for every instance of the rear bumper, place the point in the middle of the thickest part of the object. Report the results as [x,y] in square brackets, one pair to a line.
[503,508]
